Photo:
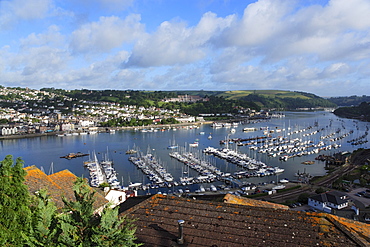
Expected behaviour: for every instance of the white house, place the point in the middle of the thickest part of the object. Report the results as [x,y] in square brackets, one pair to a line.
[186,119]
[9,131]
[116,196]
[328,201]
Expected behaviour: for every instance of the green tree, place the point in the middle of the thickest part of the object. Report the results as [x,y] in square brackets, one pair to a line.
[303,198]
[44,219]
[80,226]
[319,190]
[16,215]
[33,220]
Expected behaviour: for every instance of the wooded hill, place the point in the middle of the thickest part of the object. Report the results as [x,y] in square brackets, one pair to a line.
[360,112]
[353,100]
[219,101]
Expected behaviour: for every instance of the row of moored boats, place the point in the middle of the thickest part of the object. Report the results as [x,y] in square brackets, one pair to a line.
[102,172]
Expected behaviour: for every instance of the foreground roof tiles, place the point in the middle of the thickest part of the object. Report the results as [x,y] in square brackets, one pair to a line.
[229,198]
[225,224]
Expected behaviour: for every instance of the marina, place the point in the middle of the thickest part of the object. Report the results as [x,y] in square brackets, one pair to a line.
[153,169]
[247,157]
[102,172]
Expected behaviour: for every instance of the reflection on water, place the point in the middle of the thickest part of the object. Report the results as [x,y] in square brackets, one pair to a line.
[43,151]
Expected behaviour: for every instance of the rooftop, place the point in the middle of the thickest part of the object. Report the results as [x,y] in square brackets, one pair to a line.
[331,196]
[58,185]
[228,224]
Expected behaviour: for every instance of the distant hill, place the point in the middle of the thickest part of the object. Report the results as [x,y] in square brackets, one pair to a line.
[281,94]
[288,100]
[361,112]
[223,101]
[269,98]
[350,100]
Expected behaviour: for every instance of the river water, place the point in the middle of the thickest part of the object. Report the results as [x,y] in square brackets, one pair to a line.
[45,151]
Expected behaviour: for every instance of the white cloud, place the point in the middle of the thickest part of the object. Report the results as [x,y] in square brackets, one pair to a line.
[174,43]
[106,34]
[28,10]
[52,37]
[17,10]
[261,21]
[285,44]
[132,79]
[336,70]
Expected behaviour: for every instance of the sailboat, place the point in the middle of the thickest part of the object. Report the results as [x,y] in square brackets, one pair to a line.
[173,145]
[278,186]
[131,151]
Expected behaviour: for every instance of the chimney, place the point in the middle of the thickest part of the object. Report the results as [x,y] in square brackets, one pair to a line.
[180,239]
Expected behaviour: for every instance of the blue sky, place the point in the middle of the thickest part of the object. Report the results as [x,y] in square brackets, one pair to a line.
[315,46]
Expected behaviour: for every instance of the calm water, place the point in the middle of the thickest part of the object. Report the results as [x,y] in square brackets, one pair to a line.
[44,151]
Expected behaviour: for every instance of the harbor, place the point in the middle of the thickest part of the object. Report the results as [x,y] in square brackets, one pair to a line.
[239,157]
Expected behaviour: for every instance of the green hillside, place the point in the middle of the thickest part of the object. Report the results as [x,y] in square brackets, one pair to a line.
[350,100]
[265,93]
[219,101]
[288,100]
[267,99]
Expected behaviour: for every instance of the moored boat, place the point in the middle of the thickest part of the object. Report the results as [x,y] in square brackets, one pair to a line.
[73,155]
[131,151]
[194,144]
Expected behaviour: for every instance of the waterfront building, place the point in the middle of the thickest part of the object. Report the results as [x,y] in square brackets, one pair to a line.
[9,131]
[327,201]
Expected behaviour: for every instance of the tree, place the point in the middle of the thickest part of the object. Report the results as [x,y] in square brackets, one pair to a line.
[303,198]
[16,215]
[44,219]
[319,190]
[80,226]
[33,220]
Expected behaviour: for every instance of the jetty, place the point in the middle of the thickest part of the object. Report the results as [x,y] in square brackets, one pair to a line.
[252,167]
[102,172]
[152,168]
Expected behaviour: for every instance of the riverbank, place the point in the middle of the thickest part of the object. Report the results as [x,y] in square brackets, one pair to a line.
[106,129]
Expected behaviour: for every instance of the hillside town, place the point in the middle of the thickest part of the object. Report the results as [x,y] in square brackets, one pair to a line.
[33,111]
[29,111]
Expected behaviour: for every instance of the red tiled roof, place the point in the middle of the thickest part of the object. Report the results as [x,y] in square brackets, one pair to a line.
[223,224]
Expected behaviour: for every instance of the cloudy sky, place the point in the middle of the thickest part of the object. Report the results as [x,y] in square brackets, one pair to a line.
[315,46]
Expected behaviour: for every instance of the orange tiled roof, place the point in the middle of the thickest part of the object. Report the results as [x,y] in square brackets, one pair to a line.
[58,185]
[229,198]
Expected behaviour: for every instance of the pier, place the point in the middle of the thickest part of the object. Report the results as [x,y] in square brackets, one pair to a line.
[102,172]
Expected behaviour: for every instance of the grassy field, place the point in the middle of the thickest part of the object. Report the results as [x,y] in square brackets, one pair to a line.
[267,93]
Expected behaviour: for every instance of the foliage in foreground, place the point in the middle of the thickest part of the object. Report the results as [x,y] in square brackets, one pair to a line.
[33,220]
